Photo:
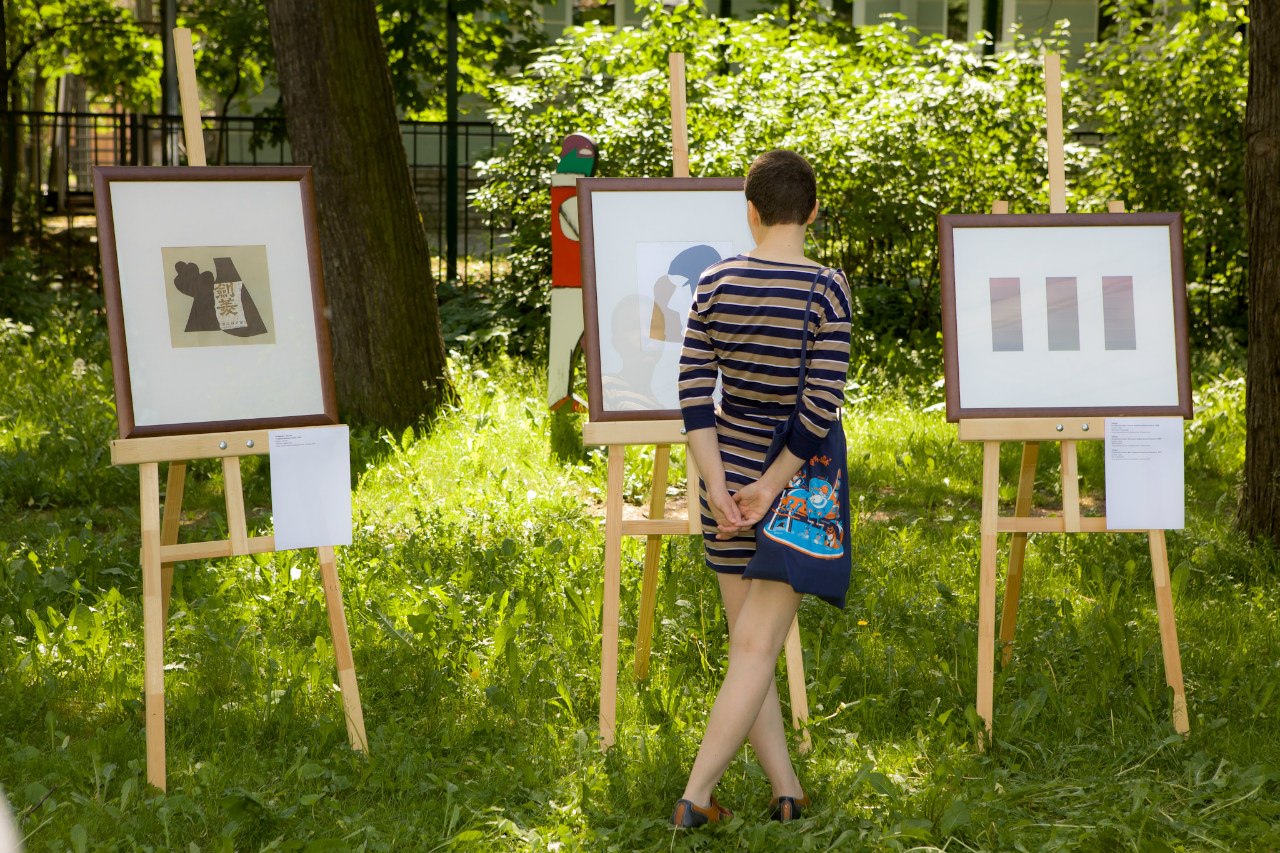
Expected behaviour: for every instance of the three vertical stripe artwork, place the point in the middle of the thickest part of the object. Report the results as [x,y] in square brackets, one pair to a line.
[1118,319]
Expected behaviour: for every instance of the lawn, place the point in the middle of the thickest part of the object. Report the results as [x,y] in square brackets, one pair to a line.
[473,594]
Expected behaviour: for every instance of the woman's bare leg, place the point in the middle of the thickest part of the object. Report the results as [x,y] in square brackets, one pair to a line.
[768,735]
[764,618]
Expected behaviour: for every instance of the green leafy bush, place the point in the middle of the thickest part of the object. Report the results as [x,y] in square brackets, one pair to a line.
[898,130]
[1168,91]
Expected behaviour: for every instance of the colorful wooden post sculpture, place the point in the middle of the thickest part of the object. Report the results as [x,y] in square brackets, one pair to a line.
[659,434]
[1068,426]
[577,160]
[160,547]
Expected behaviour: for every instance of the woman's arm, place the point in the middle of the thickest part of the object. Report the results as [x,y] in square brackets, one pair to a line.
[705,447]
[699,368]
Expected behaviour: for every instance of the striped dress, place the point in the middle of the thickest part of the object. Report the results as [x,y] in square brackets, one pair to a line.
[745,327]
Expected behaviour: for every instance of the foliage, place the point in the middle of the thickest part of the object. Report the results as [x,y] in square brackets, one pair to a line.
[97,39]
[899,130]
[57,418]
[494,38]
[1168,90]
[473,595]
[56,413]
[233,48]
[236,55]
[25,293]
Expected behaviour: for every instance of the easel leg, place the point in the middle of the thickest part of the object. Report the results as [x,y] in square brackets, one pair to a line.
[342,650]
[796,686]
[174,487]
[652,557]
[1017,551]
[237,530]
[987,584]
[153,619]
[1070,488]
[612,592]
[1168,629]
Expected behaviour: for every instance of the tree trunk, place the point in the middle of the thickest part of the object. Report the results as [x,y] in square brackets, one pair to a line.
[1260,509]
[388,353]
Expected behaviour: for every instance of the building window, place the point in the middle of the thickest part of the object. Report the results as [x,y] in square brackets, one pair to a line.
[958,20]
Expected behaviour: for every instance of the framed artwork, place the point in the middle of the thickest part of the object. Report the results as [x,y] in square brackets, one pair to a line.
[1064,314]
[215,298]
[645,244]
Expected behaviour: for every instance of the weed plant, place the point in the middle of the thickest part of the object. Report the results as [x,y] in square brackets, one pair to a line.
[473,596]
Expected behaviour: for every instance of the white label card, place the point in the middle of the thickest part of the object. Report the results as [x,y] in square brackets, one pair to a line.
[1144,464]
[311,486]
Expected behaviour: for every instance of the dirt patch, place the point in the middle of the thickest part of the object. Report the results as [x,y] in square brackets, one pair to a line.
[677,507]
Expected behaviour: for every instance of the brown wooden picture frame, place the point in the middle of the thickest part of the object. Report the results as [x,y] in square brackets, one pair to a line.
[588,188]
[950,224]
[323,408]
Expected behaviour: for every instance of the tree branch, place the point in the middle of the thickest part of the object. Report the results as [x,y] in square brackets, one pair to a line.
[46,33]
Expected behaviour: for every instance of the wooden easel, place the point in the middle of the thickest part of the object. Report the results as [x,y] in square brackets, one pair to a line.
[1032,431]
[160,548]
[617,436]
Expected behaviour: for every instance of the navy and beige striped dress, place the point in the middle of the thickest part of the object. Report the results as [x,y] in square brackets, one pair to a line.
[745,327]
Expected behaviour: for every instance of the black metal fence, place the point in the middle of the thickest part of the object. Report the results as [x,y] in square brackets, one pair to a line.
[61,149]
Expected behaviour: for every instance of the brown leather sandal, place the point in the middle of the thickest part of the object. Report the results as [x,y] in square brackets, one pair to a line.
[786,809]
[688,814]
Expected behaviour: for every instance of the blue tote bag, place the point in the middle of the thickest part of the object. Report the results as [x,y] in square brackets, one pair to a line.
[804,535]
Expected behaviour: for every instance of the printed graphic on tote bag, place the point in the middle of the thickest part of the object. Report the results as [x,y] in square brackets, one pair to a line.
[808,515]
[218,295]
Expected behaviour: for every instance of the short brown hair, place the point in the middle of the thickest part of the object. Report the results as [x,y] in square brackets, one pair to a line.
[781,184]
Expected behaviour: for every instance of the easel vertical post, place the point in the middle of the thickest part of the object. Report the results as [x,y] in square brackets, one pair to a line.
[233,487]
[184,54]
[679,118]
[1070,487]
[1053,109]
[612,593]
[987,583]
[152,622]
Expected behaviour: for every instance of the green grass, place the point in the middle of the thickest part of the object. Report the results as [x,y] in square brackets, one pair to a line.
[473,594]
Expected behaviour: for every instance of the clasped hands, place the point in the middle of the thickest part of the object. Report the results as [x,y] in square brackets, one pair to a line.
[741,510]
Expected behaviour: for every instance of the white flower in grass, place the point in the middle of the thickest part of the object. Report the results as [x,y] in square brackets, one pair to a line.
[78,368]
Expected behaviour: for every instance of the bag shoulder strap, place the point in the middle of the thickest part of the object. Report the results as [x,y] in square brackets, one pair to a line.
[829,274]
